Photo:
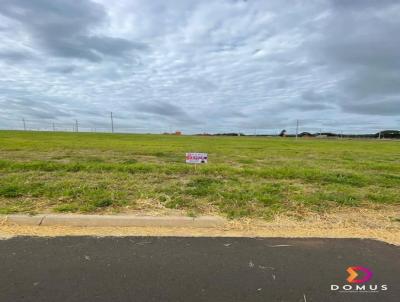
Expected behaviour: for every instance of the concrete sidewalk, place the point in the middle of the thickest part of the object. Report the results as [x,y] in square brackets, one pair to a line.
[112,220]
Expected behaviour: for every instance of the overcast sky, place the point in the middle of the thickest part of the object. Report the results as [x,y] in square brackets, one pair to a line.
[212,65]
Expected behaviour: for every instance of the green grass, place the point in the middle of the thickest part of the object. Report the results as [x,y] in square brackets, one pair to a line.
[245,176]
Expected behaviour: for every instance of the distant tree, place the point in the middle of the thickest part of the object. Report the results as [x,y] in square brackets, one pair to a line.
[306,134]
[283,133]
[388,134]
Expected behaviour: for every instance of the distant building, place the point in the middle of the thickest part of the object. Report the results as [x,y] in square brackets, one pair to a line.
[175,133]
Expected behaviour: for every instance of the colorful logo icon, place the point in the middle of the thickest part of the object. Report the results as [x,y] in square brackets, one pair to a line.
[353,274]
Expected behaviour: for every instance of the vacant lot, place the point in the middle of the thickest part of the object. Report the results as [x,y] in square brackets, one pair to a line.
[245,176]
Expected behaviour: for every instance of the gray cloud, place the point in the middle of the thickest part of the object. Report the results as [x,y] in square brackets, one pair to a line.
[214,65]
[357,5]
[33,108]
[312,107]
[389,107]
[358,49]
[65,28]
[14,56]
[370,83]
[65,69]
[164,110]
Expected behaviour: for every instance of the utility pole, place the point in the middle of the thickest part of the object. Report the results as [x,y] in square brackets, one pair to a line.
[112,123]
[23,121]
[76,126]
[54,127]
[297,128]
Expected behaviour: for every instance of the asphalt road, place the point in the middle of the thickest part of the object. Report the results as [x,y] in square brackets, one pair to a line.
[192,269]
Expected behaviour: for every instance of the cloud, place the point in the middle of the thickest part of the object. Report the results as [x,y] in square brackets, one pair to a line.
[210,65]
[14,56]
[65,28]
[312,107]
[388,107]
[65,69]
[360,52]
[33,108]
[166,110]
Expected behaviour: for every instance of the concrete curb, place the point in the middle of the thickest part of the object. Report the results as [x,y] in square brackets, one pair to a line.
[112,221]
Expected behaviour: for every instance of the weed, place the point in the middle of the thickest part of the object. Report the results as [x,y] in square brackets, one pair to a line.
[245,177]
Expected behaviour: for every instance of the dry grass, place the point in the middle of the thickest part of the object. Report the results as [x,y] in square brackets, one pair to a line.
[248,177]
[382,224]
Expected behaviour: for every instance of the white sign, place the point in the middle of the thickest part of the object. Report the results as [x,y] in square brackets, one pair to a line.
[196,158]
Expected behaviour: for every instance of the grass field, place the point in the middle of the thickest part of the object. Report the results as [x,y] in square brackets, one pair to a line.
[245,176]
